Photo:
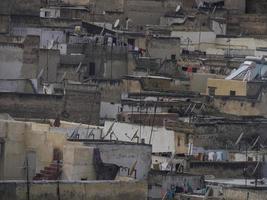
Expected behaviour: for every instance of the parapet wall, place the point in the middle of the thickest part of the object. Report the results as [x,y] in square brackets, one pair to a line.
[87,190]
[83,107]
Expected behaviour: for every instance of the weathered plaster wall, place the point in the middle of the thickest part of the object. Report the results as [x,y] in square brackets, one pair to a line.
[81,107]
[164,48]
[162,140]
[125,155]
[78,163]
[22,86]
[22,139]
[49,61]
[77,2]
[19,59]
[87,190]
[224,135]
[4,23]
[240,194]
[160,182]
[11,62]
[222,169]
[223,87]
[240,107]
[239,5]
[20,7]
[198,82]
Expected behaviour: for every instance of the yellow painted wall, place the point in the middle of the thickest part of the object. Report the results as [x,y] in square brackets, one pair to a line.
[223,87]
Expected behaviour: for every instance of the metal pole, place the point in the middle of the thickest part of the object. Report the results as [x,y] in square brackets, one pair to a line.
[58,191]
[155,110]
[28,179]
[246,165]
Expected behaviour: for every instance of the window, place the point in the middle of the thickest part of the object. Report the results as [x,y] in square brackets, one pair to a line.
[47,14]
[91,69]
[131,42]
[212,91]
[232,93]
[173,57]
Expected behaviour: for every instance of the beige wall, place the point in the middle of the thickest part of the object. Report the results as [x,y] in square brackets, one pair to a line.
[132,86]
[181,142]
[78,163]
[241,194]
[240,108]
[77,2]
[223,87]
[22,138]
[198,81]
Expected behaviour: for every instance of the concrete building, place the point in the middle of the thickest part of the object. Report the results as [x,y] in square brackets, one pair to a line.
[87,190]
[162,182]
[70,106]
[162,140]
[127,155]
[19,57]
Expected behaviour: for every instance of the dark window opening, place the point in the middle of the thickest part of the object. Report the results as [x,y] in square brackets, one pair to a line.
[232,93]
[47,14]
[212,91]
[91,69]
[173,57]
[131,42]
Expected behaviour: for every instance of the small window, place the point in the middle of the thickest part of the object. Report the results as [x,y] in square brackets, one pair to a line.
[232,93]
[212,91]
[173,57]
[91,69]
[47,14]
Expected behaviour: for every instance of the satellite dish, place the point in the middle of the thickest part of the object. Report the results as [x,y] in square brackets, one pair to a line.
[116,24]
[178,8]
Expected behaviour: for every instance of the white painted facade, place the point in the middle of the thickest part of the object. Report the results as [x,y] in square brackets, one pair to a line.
[49,12]
[110,110]
[208,42]
[162,140]
[47,36]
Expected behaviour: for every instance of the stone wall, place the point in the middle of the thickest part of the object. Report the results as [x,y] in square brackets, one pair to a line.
[83,107]
[164,48]
[86,190]
[20,7]
[256,6]
[223,169]
[241,194]
[223,135]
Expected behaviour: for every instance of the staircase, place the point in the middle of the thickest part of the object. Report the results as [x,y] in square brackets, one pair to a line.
[51,172]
